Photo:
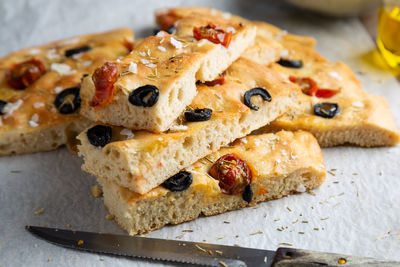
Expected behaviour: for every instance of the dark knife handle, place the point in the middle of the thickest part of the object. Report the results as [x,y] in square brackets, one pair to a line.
[286,257]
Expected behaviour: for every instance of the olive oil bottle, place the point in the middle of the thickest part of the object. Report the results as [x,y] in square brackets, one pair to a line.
[388,40]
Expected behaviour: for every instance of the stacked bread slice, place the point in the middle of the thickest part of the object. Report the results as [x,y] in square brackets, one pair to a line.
[170,158]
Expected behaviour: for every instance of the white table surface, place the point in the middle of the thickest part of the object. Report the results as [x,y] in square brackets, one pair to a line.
[360,202]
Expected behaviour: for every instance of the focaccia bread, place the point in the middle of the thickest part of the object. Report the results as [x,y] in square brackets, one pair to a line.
[360,119]
[39,89]
[271,43]
[218,115]
[279,164]
[150,88]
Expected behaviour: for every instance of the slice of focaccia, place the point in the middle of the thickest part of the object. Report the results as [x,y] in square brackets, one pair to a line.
[150,88]
[338,112]
[251,96]
[39,89]
[251,170]
[363,120]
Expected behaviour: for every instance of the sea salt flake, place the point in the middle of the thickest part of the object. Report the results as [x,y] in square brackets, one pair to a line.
[160,139]
[129,134]
[284,53]
[144,61]
[52,54]
[178,128]
[257,142]
[280,34]
[335,75]
[9,109]
[244,140]
[358,104]
[61,68]
[301,188]
[143,54]
[33,122]
[177,44]
[118,60]
[87,63]
[132,67]
[57,89]
[161,48]
[151,65]
[38,104]
[77,56]
[231,29]
[161,34]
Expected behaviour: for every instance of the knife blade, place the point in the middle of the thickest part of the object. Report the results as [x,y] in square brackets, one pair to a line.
[196,253]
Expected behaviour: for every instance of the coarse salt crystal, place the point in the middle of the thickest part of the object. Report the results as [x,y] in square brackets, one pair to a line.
[301,188]
[132,67]
[257,142]
[9,109]
[34,51]
[178,128]
[231,29]
[226,15]
[244,140]
[118,60]
[129,134]
[143,54]
[358,104]
[160,139]
[38,104]
[283,152]
[161,48]
[161,34]
[284,53]
[34,120]
[144,61]
[280,34]
[62,69]
[77,56]
[52,54]
[335,75]
[151,65]
[177,44]
[277,161]
[87,63]
[57,89]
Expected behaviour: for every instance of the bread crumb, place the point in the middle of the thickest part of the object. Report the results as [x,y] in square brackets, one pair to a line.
[96,191]
[39,211]
[110,217]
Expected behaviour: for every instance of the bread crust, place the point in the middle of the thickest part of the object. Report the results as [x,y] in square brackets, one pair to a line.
[36,124]
[284,163]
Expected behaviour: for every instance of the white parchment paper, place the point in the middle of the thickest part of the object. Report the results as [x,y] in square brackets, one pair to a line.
[354,212]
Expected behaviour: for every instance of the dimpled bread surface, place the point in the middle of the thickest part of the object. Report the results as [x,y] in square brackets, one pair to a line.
[33,123]
[146,160]
[172,63]
[284,163]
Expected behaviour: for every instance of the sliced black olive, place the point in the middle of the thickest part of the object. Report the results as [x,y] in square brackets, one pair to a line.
[198,114]
[99,135]
[140,96]
[68,100]
[256,91]
[78,50]
[290,63]
[2,106]
[170,30]
[179,182]
[326,110]
[156,30]
[248,193]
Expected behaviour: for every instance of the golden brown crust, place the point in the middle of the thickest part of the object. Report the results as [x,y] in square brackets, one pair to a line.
[147,159]
[285,163]
[37,114]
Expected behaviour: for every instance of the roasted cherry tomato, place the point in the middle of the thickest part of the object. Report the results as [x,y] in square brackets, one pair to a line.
[104,79]
[233,174]
[213,34]
[218,81]
[25,73]
[310,87]
[166,20]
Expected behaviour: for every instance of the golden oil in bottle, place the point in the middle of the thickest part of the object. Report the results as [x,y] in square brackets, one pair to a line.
[388,40]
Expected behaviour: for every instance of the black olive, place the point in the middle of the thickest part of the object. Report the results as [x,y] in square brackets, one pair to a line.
[290,63]
[138,96]
[84,76]
[170,30]
[156,30]
[78,50]
[326,110]
[179,182]
[248,193]
[2,106]
[198,114]
[256,91]
[99,135]
[68,100]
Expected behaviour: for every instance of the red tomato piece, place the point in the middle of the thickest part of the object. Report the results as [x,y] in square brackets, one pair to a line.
[326,93]
[22,75]
[213,34]
[310,87]
[104,79]
[233,174]
[220,80]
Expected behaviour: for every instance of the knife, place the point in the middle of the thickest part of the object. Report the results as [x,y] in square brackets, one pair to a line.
[197,253]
